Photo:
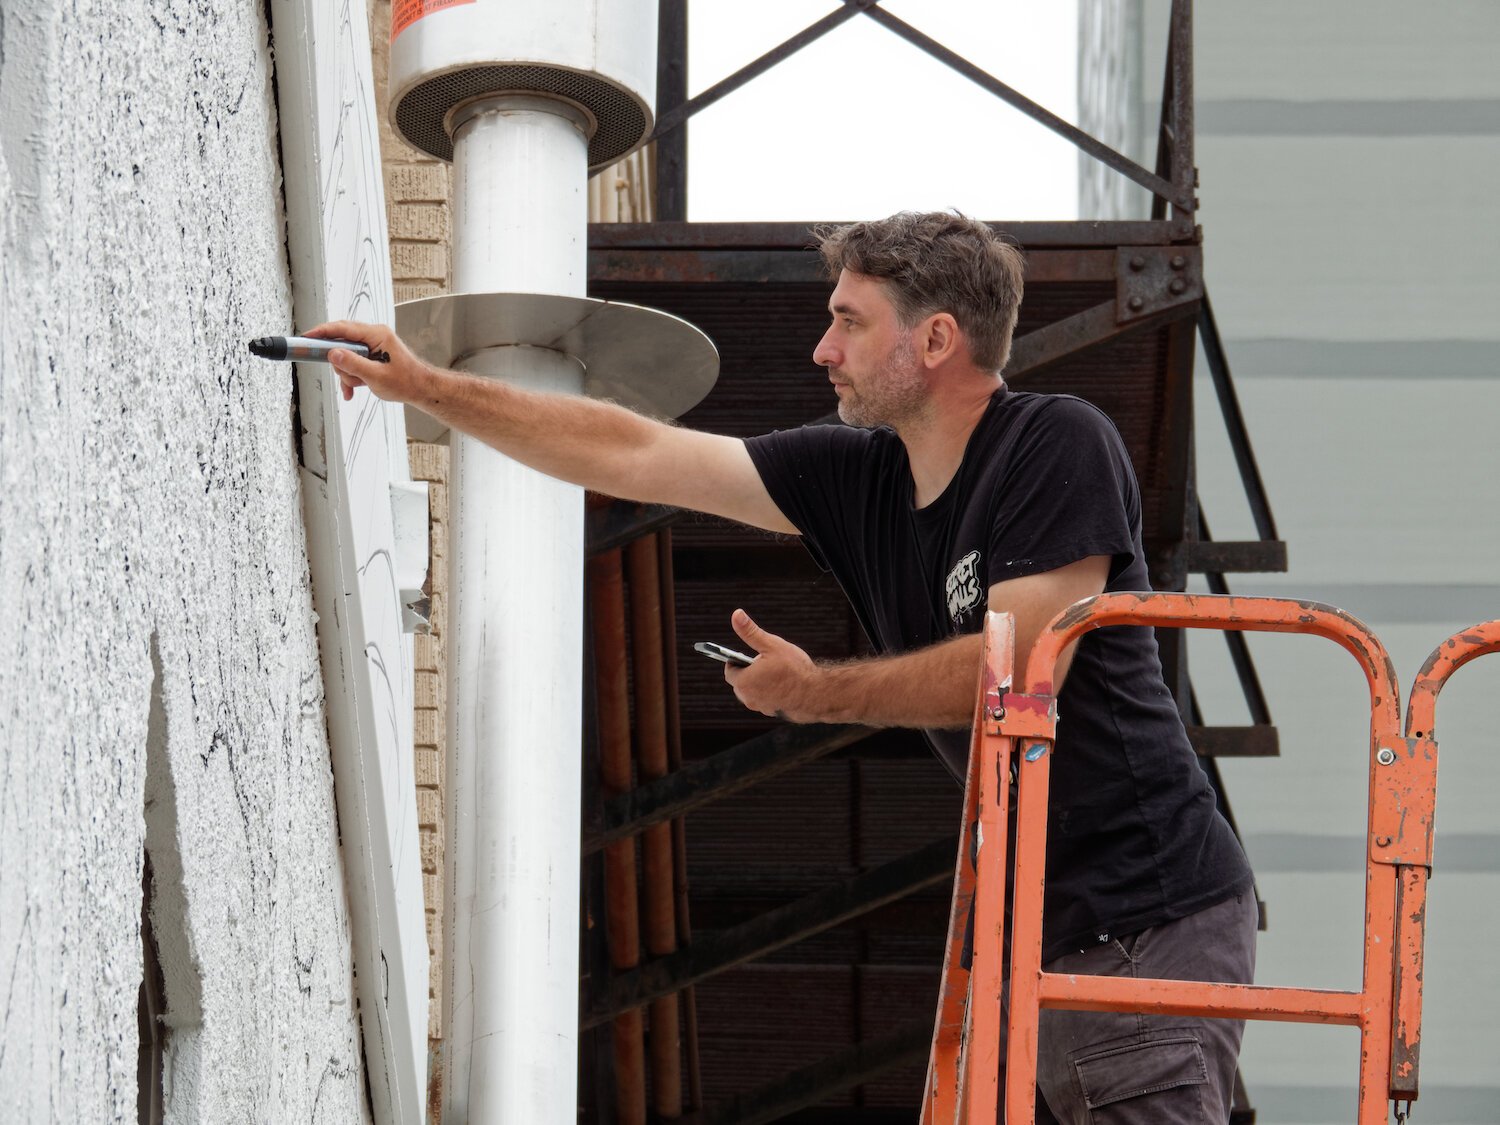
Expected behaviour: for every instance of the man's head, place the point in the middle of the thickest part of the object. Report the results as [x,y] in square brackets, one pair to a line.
[937,262]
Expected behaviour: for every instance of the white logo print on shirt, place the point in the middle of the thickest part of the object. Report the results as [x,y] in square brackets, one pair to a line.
[963,586]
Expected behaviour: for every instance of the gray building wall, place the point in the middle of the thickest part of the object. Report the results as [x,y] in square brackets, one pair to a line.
[159,678]
[1350,158]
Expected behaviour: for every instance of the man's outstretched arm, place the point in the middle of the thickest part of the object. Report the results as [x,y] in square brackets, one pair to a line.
[598,445]
[932,687]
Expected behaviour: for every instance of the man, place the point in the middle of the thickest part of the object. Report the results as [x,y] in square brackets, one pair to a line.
[945,494]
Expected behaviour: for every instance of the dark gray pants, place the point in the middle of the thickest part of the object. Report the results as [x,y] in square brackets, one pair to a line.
[1117,1068]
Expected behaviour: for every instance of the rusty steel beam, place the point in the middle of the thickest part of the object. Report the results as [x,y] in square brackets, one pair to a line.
[668,587]
[1154,287]
[709,779]
[1047,235]
[821,1080]
[693,266]
[1092,328]
[679,114]
[1250,556]
[1256,741]
[801,265]
[606,595]
[1174,139]
[1008,94]
[1234,422]
[1056,235]
[1239,649]
[1164,127]
[812,914]
[1177,494]
[671,91]
[1180,58]
[658,872]
[613,524]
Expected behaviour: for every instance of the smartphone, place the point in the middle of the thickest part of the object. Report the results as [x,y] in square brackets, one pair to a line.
[722,654]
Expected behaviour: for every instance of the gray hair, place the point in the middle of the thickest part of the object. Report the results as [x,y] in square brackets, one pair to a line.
[936,261]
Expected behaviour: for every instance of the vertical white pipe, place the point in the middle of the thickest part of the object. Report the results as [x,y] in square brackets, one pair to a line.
[516,637]
[520,197]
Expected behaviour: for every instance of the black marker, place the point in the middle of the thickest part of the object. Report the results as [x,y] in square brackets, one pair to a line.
[305,349]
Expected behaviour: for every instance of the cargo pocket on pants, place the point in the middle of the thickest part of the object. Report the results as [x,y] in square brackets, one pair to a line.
[1157,1080]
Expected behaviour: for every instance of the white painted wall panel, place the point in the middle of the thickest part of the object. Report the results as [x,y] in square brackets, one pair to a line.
[148,489]
[1374,481]
[1353,238]
[1317,786]
[1313,940]
[1376,49]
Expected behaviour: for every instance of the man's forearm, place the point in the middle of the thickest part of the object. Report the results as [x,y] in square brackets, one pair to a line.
[590,443]
[934,687]
[598,445]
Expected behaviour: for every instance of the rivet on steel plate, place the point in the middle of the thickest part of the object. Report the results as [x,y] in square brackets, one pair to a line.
[1035,751]
[1178,261]
[1138,263]
[997,713]
[1178,285]
[1385,755]
[1137,303]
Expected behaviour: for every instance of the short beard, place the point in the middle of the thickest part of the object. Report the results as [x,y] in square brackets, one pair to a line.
[894,395]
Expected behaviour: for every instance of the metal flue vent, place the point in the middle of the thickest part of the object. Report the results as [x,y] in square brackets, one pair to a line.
[622,121]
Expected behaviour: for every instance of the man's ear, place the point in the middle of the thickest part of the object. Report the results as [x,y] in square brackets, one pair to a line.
[941,340]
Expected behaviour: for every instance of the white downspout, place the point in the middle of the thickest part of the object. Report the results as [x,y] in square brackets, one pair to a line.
[525,98]
[520,223]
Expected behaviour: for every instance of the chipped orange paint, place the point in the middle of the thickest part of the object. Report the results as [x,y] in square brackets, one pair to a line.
[962,1085]
[1411,843]
[1387,1009]
[1447,658]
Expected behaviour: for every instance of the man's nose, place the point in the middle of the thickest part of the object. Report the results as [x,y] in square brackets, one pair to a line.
[825,354]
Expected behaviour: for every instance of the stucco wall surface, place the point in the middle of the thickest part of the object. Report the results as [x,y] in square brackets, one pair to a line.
[149,505]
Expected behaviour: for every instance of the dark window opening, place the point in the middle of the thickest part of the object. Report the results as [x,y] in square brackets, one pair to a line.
[149,1010]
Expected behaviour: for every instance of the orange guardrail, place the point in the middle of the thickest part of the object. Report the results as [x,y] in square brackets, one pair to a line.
[1015,731]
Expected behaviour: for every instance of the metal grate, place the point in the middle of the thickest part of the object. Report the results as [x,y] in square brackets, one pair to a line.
[623,122]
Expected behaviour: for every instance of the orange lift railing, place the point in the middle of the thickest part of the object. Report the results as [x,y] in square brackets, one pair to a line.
[1013,737]
[1411,891]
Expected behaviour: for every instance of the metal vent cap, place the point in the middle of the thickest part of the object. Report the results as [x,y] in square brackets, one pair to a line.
[622,121]
[597,55]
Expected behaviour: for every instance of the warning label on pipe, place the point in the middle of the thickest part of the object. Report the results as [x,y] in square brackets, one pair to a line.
[404,13]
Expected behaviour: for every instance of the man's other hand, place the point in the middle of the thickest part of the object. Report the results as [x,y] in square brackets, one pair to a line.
[400,380]
[781,681]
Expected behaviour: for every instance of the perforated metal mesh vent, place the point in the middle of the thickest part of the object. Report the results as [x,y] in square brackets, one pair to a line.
[622,122]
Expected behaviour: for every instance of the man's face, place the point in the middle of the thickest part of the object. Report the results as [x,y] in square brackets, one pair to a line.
[872,361]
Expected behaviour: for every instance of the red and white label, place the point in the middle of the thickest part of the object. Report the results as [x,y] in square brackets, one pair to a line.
[404,13]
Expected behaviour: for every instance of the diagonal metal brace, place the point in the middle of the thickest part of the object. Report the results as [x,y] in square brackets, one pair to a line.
[709,955]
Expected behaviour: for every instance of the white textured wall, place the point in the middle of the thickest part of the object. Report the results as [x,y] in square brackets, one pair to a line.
[148,489]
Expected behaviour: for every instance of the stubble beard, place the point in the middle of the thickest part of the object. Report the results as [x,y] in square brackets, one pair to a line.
[895,394]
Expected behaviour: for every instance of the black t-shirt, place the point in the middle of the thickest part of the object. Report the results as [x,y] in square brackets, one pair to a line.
[1134,835]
